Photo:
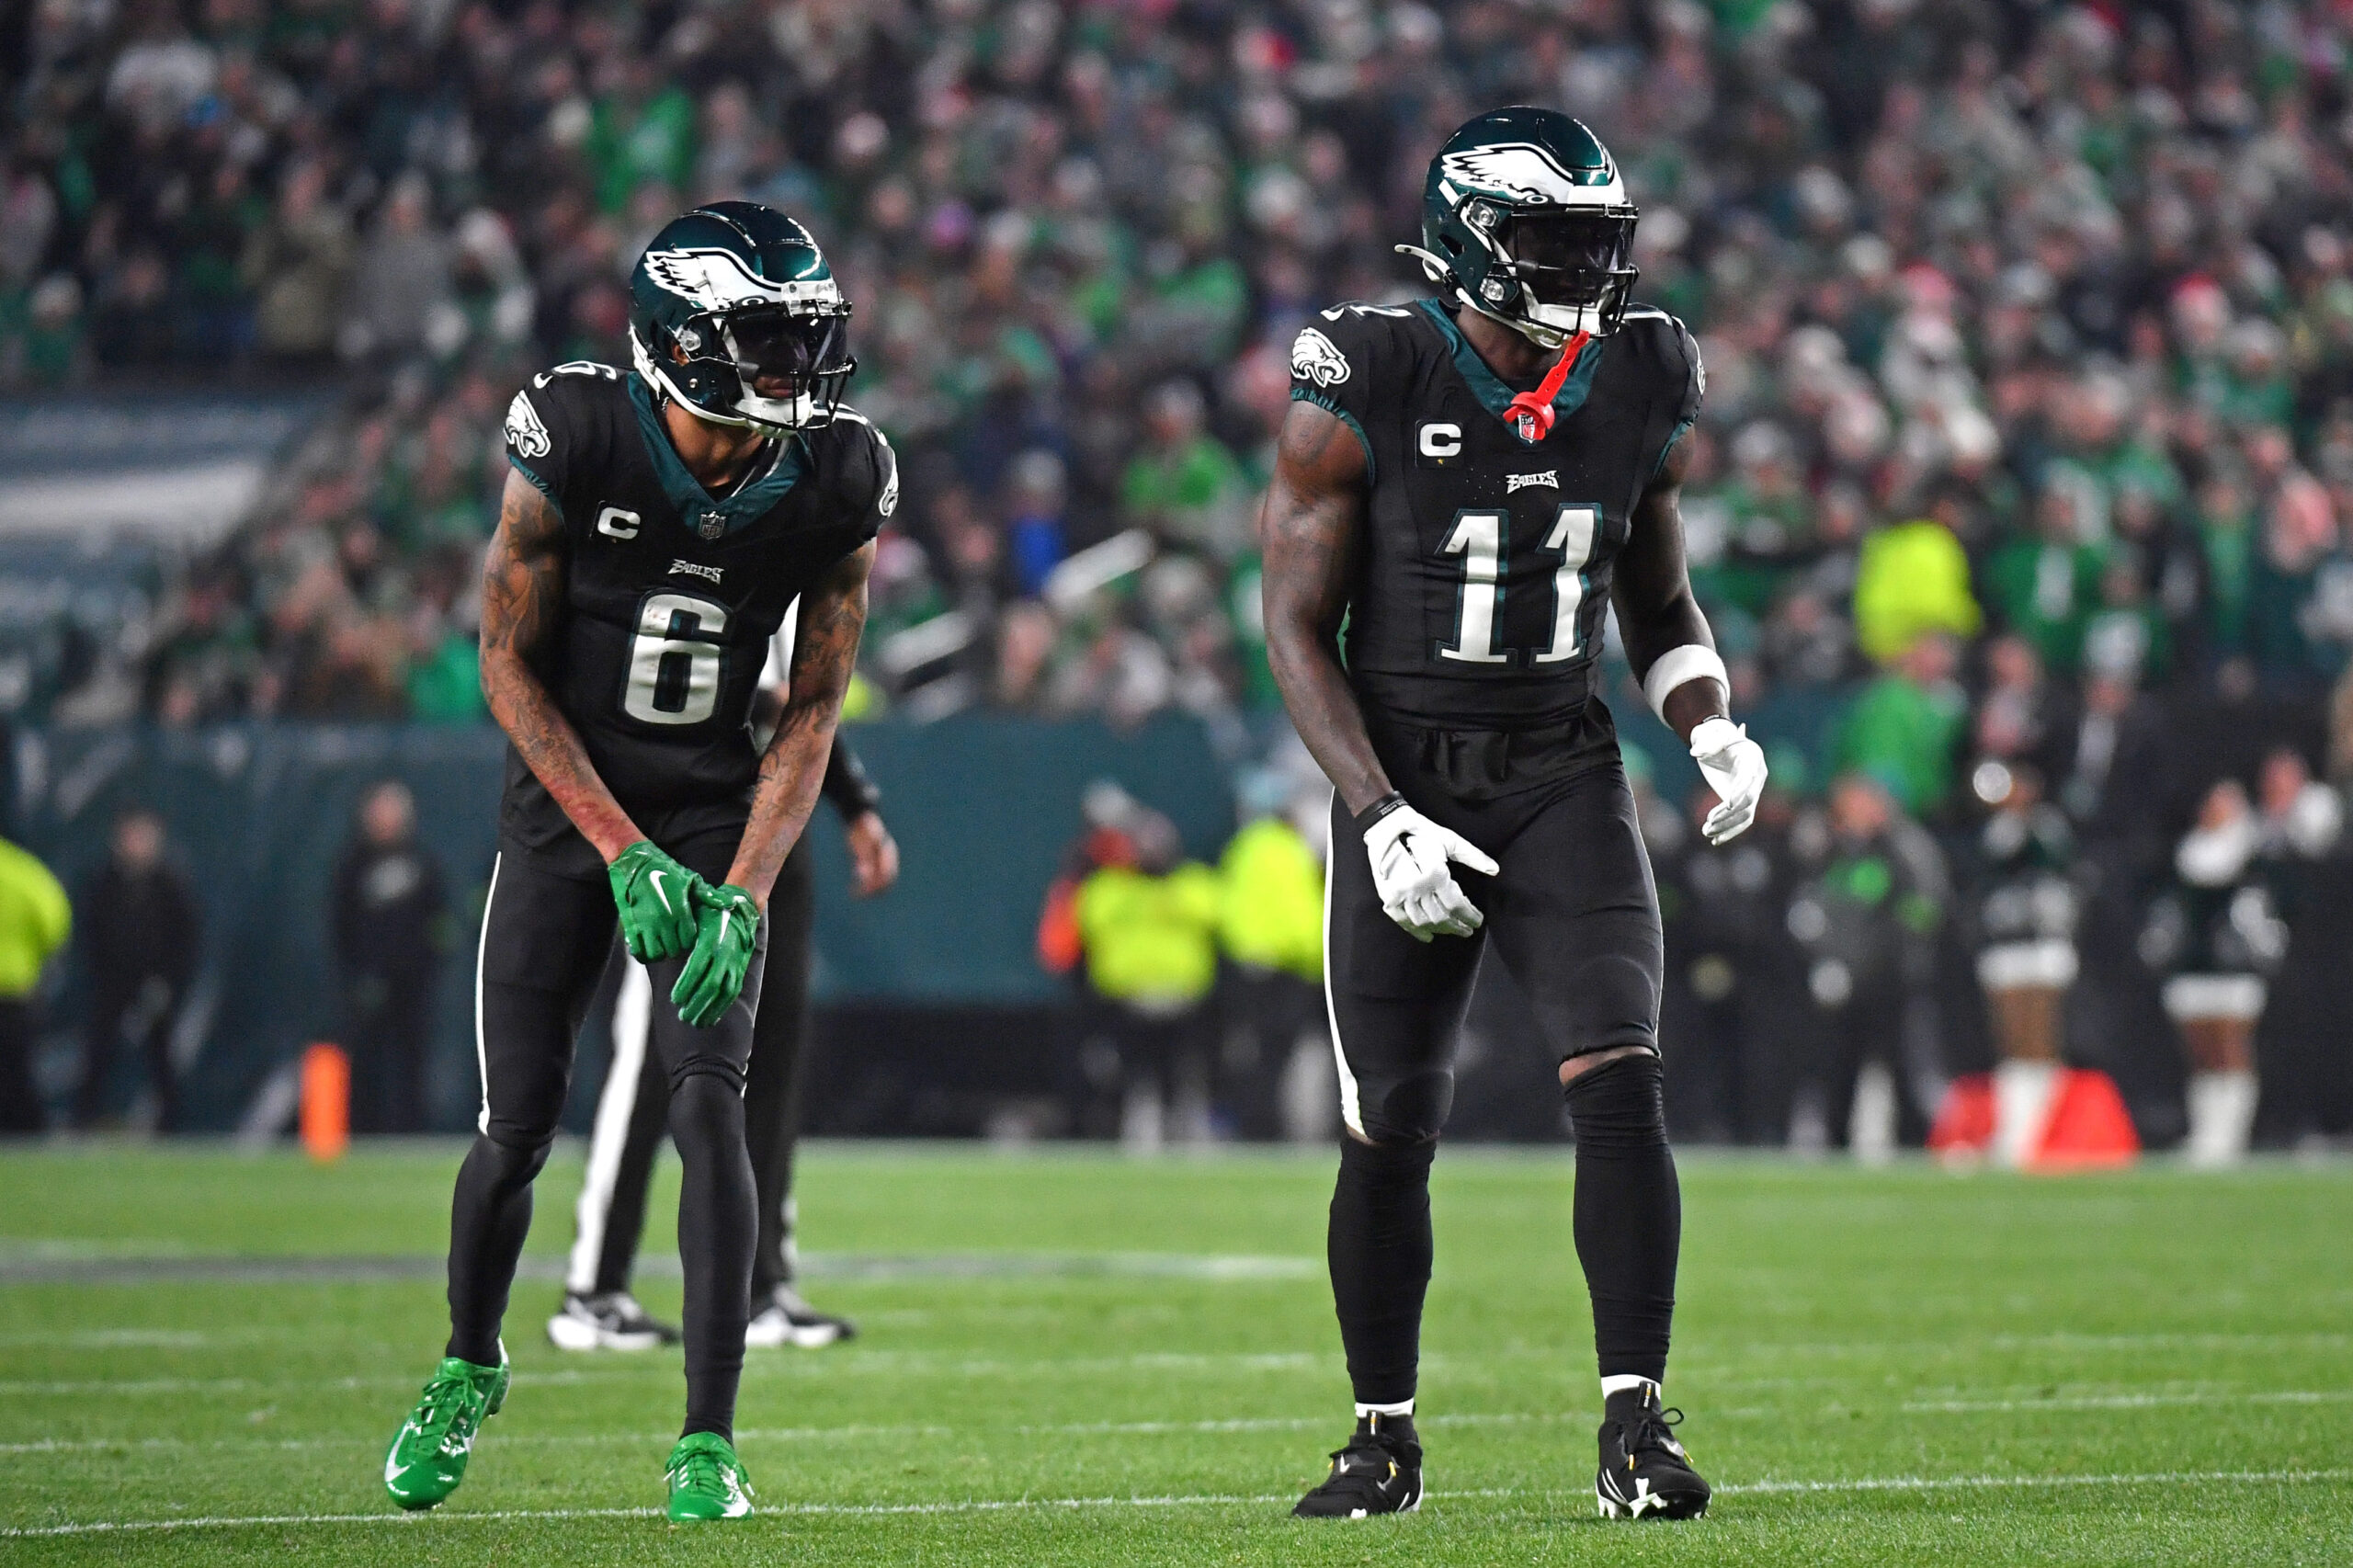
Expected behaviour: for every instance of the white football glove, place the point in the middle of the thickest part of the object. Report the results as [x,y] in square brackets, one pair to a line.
[1733,766]
[1409,869]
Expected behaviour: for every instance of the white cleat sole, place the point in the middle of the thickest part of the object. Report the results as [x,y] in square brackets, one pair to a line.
[567,1333]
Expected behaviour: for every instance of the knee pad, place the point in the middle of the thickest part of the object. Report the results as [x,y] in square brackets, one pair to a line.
[514,1164]
[705,1102]
[1388,1165]
[1411,1109]
[1620,1105]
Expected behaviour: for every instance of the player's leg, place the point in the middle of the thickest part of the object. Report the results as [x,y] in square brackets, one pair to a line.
[772,1114]
[632,1119]
[1394,1006]
[543,943]
[718,1219]
[1575,915]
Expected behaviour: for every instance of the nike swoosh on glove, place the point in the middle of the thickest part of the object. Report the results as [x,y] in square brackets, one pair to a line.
[1733,766]
[656,899]
[713,975]
[1409,869]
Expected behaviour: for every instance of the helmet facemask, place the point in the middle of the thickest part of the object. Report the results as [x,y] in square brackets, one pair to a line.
[775,366]
[1553,271]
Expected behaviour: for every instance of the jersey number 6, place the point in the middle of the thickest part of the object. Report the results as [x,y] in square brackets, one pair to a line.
[1478,538]
[673,667]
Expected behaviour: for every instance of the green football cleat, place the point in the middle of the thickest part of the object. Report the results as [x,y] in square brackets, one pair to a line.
[428,1458]
[707,1480]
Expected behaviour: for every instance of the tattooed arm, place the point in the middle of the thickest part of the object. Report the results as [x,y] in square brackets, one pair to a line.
[1308,529]
[824,651]
[522,598]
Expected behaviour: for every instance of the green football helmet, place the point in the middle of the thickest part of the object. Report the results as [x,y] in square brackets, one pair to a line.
[1525,218]
[733,313]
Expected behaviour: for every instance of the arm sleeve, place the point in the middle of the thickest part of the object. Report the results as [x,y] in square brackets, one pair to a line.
[883,499]
[848,785]
[1332,366]
[1695,392]
[534,445]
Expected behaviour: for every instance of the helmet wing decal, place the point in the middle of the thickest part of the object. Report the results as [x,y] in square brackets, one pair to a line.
[1522,172]
[715,279]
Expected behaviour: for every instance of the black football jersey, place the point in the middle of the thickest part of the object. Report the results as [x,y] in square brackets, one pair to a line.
[1480,588]
[672,595]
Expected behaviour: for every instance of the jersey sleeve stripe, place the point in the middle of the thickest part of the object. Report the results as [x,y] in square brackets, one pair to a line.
[1331,406]
[1682,428]
[524,468]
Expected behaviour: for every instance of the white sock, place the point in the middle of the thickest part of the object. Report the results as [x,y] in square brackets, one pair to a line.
[1391,1411]
[2023,1092]
[1625,1383]
[2222,1114]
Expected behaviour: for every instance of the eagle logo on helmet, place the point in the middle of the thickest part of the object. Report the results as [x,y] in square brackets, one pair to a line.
[717,280]
[1315,358]
[1518,171]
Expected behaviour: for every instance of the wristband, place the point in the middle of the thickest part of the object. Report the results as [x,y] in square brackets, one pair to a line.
[1680,666]
[1391,801]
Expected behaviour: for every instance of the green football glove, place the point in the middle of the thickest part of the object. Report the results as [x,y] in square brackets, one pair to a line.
[656,897]
[713,977]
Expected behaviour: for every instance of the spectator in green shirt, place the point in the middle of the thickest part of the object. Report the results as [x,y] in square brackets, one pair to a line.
[2047,587]
[1185,486]
[1904,728]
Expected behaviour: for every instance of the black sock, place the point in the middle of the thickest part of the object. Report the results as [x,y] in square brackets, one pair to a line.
[490,1214]
[1629,1211]
[1378,1249]
[716,1224]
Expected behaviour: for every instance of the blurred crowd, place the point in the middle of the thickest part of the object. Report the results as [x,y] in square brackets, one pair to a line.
[2023,475]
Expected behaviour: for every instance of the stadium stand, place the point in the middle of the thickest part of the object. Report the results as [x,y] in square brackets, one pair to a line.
[2028,327]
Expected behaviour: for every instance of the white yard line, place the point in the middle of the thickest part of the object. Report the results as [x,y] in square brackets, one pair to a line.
[1014,1504]
[2128,1401]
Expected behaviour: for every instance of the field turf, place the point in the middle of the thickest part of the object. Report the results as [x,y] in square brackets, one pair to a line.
[1071,1358]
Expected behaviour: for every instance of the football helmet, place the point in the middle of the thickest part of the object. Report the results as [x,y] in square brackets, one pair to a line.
[1525,218]
[733,313]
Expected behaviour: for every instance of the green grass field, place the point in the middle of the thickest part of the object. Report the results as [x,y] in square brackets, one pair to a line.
[1070,1357]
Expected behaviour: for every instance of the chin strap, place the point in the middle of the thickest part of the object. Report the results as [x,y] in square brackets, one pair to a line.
[1536,406]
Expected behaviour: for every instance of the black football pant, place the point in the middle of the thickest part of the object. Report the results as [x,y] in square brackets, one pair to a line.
[20,1108]
[1574,916]
[545,943]
[633,1111]
[392,1028]
[148,1008]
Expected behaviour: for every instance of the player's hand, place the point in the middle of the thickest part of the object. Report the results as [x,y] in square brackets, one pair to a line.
[1733,766]
[728,924]
[655,896]
[873,854]
[1409,869]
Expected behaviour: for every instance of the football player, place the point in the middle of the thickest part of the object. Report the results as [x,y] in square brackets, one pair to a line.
[598,1312]
[656,526]
[1462,483]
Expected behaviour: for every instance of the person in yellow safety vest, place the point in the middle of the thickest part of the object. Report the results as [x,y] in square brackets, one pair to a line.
[1270,921]
[1149,932]
[35,916]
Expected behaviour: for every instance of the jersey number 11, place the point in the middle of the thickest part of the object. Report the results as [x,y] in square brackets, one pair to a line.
[1478,538]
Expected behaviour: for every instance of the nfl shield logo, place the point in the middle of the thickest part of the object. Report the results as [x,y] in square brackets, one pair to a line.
[1526,426]
[713,524]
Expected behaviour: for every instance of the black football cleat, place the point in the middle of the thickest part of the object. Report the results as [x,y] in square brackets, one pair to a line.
[1644,1473]
[1379,1472]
